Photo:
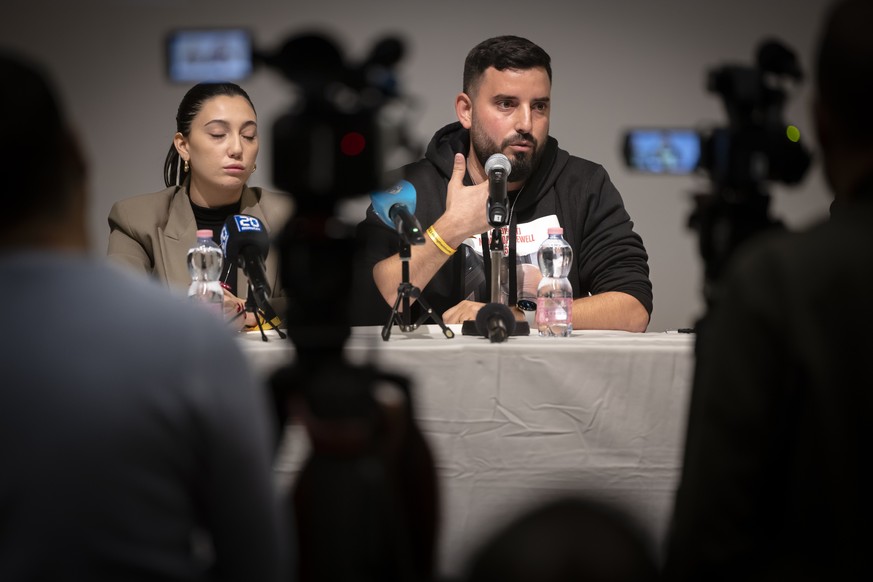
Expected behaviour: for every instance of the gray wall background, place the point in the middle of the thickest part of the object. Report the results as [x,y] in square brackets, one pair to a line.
[616,64]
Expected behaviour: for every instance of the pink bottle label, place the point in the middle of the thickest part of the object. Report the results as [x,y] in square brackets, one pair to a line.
[554,316]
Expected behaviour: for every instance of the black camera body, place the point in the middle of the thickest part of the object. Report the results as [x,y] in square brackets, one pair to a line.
[755,147]
[333,144]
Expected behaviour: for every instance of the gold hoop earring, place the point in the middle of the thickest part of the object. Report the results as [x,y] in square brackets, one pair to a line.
[186,167]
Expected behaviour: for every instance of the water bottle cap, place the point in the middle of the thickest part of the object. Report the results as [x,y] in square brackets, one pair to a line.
[555,230]
[204,233]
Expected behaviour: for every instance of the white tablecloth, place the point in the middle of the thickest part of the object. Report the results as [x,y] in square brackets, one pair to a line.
[512,424]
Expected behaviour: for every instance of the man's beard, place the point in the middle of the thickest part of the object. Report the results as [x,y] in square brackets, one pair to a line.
[523,163]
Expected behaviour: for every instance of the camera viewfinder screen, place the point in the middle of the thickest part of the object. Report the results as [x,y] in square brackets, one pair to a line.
[663,151]
[203,55]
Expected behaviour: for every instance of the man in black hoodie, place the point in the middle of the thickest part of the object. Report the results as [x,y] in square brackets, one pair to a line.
[505,108]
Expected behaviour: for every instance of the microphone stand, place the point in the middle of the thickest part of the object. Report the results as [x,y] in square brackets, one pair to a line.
[405,291]
[495,249]
[253,305]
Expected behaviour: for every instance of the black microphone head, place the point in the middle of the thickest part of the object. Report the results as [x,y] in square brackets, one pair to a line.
[495,321]
[241,231]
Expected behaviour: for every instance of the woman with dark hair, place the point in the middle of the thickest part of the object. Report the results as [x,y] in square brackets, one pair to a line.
[213,154]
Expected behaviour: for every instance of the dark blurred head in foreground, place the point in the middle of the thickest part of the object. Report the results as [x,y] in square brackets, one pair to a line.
[44,188]
[566,540]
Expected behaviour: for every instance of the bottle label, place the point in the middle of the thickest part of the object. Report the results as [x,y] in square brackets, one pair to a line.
[554,316]
[207,295]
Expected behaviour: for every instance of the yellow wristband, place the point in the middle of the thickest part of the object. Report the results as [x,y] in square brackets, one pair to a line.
[439,242]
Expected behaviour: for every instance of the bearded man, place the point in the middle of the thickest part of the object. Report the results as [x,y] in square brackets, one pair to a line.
[505,107]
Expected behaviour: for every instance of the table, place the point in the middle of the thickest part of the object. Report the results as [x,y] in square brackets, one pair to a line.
[601,413]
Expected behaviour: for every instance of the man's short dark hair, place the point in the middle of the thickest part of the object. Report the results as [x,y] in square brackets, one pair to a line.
[844,68]
[503,52]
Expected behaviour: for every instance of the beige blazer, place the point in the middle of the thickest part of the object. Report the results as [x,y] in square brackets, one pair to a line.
[152,233]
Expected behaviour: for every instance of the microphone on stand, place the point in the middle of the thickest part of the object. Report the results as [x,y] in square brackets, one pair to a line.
[396,207]
[497,168]
[245,242]
[496,322]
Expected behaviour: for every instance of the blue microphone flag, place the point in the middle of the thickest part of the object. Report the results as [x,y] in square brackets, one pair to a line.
[402,193]
[241,230]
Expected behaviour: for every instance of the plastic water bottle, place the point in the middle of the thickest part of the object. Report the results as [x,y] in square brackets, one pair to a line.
[204,266]
[555,293]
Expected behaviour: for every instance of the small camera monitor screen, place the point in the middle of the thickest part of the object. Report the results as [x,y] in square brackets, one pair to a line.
[203,55]
[663,151]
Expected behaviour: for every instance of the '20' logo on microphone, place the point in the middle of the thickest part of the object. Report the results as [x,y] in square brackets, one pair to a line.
[244,223]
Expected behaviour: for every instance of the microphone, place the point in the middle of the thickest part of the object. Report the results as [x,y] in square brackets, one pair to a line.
[498,168]
[245,242]
[496,322]
[396,207]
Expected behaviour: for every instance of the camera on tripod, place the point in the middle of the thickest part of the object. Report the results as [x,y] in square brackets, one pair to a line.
[756,146]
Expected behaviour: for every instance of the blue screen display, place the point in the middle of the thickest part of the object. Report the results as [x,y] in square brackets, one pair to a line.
[204,55]
[663,151]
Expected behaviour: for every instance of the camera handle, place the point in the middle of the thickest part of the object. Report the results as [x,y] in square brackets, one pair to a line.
[725,219]
[405,291]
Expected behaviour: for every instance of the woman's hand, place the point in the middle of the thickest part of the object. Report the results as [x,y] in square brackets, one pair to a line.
[235,311]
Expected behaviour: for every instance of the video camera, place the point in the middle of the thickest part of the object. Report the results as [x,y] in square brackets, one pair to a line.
[333,142]
[756,147]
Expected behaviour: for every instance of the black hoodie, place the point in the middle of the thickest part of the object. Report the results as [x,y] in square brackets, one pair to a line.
[564,190]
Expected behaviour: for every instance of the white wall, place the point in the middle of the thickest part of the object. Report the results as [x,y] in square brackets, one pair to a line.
[616,64]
